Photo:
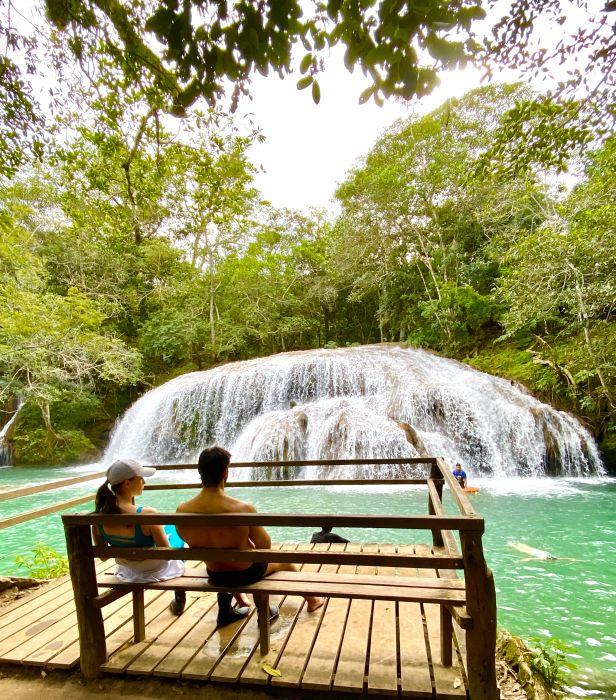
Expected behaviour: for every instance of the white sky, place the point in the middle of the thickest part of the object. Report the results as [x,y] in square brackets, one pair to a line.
[309,148]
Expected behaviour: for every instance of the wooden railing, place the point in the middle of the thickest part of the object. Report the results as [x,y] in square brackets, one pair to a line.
[456,543]
[41,488]
[481,599]
[464,504]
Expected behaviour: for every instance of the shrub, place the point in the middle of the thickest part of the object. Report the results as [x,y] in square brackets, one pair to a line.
[548,658]
[44,562]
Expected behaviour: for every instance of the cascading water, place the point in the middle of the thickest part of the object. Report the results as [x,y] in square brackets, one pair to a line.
[371,401]
[6,449]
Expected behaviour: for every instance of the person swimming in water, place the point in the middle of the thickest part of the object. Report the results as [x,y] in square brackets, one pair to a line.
[460,475]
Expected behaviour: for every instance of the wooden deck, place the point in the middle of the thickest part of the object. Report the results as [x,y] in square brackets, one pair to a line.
[360,646]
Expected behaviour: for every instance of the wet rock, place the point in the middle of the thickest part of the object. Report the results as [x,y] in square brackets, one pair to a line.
[413,438]
[552,453]
[18,583]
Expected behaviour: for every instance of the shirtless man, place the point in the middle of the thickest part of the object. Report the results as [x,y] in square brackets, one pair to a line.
[214,469]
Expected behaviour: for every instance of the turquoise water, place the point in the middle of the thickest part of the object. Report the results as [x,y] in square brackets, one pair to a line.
[572,598]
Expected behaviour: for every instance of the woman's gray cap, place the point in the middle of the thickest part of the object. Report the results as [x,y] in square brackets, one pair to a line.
[123,469]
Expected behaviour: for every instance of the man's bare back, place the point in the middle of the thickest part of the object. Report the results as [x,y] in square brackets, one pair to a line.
[214,500]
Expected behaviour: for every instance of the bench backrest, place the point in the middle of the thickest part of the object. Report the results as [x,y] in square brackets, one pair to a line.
[445,553]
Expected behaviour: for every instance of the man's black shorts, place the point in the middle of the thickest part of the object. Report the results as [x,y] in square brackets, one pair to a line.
[255,572]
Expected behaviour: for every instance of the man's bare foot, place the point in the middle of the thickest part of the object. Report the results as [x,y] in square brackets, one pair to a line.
[313,604]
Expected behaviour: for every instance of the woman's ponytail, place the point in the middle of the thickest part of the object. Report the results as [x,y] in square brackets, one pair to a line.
[106,499]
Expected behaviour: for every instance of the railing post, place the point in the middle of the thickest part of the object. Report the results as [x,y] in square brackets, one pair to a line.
[446,636]
[92,648]
[481,605]
[435,473]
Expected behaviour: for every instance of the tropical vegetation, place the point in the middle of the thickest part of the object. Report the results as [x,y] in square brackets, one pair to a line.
[134,245]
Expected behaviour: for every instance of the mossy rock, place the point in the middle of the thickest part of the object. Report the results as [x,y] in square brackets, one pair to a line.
[607,447]
[513,653]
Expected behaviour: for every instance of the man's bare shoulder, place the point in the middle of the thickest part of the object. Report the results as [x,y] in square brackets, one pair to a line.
[186,507]
[228,504]
[243,506]
[218,503]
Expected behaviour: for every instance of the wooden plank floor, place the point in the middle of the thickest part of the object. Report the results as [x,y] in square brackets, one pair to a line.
[347,647]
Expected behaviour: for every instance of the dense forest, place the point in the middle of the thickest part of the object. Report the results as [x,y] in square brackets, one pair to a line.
[134,250]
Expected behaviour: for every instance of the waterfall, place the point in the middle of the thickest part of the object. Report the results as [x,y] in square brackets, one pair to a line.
[370,401]
[6,449]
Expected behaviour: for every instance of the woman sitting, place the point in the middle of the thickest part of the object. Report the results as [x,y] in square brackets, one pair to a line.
[125,480]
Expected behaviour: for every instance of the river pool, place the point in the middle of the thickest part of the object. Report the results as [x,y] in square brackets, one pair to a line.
[572,598]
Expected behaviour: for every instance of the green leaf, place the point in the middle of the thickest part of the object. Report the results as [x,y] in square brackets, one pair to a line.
[333,7]
[253,37]
[161,21]
[445,51]
[306,63]
[304,82]
[378,54]
[316,92]
[367,94]
[349,59]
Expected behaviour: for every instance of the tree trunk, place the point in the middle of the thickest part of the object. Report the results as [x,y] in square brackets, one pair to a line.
[380,317]
[52,436]
[325,326]
[212,324]
[583,317]
[126,167]
[591,352]
[195,251]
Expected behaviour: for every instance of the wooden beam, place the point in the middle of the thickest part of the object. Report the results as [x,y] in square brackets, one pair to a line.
[461,499]
[299,557]
[461,616]
[446,636]
[310,463]
[449,541]
[92,647]
[391,522]
[39,512]
[481,605]
[109,597]
[29,490]
[435,505]
[292,482]
[263,616]
[138,615]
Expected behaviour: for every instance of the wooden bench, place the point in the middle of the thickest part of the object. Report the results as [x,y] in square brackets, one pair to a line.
[470,601]
[450,594]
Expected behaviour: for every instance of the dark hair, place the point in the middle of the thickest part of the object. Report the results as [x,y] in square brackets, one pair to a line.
[106,500]
[326,529]
[212,464]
